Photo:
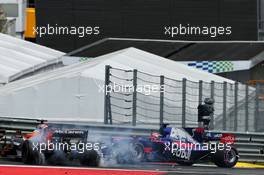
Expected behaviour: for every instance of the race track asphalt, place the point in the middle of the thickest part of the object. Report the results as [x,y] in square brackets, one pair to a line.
[11,166]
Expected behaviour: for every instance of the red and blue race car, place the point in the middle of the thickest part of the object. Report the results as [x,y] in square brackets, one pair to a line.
[184,146]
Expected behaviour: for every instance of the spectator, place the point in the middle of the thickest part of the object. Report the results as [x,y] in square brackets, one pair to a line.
[3,21]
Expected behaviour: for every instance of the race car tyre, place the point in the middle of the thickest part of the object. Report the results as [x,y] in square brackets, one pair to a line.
[139,155]
[31,156]
[122,153]
[56,157]
[226,158]
[185,163]
[39,158]
[27,153]
[90,158]
[129,153]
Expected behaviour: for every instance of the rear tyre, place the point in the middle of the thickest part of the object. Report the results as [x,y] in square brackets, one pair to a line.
[226,158]
[139,155]
[129,153]
[90,158]
[30,155]
[27,153]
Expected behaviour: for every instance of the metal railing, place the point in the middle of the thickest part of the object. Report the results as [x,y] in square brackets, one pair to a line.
[137,98]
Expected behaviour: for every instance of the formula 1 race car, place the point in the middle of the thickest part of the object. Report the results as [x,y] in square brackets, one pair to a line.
[184,146]
[52,145]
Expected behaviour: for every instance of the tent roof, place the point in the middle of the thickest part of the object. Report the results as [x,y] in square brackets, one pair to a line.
[130,58]
[19,57]
[133,58]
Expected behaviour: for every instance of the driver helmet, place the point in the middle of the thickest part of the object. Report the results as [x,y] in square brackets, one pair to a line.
[42,126]
[209,101]
[155,134]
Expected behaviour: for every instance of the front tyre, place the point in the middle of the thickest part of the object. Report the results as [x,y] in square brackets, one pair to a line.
[226,158]
[27,153]
[90,158]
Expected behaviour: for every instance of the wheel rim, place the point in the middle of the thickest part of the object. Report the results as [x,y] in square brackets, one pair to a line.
[138,152]
[231,156]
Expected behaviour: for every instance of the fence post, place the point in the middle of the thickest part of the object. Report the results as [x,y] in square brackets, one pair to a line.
[161,98]
[246,109]
[200,97]
[184,80]
[134,107]
[256,108]
[224,105]
[212,97]
[236,106]
[106,93]
[110,111]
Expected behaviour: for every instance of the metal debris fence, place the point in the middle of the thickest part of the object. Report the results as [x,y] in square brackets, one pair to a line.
[133,97]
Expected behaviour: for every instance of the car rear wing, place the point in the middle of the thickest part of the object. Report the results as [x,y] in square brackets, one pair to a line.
[70,133]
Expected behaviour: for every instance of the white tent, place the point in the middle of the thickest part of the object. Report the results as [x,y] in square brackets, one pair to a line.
[19,57]
[72,93]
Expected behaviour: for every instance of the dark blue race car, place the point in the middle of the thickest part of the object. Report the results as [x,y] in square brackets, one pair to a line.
[184,146]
